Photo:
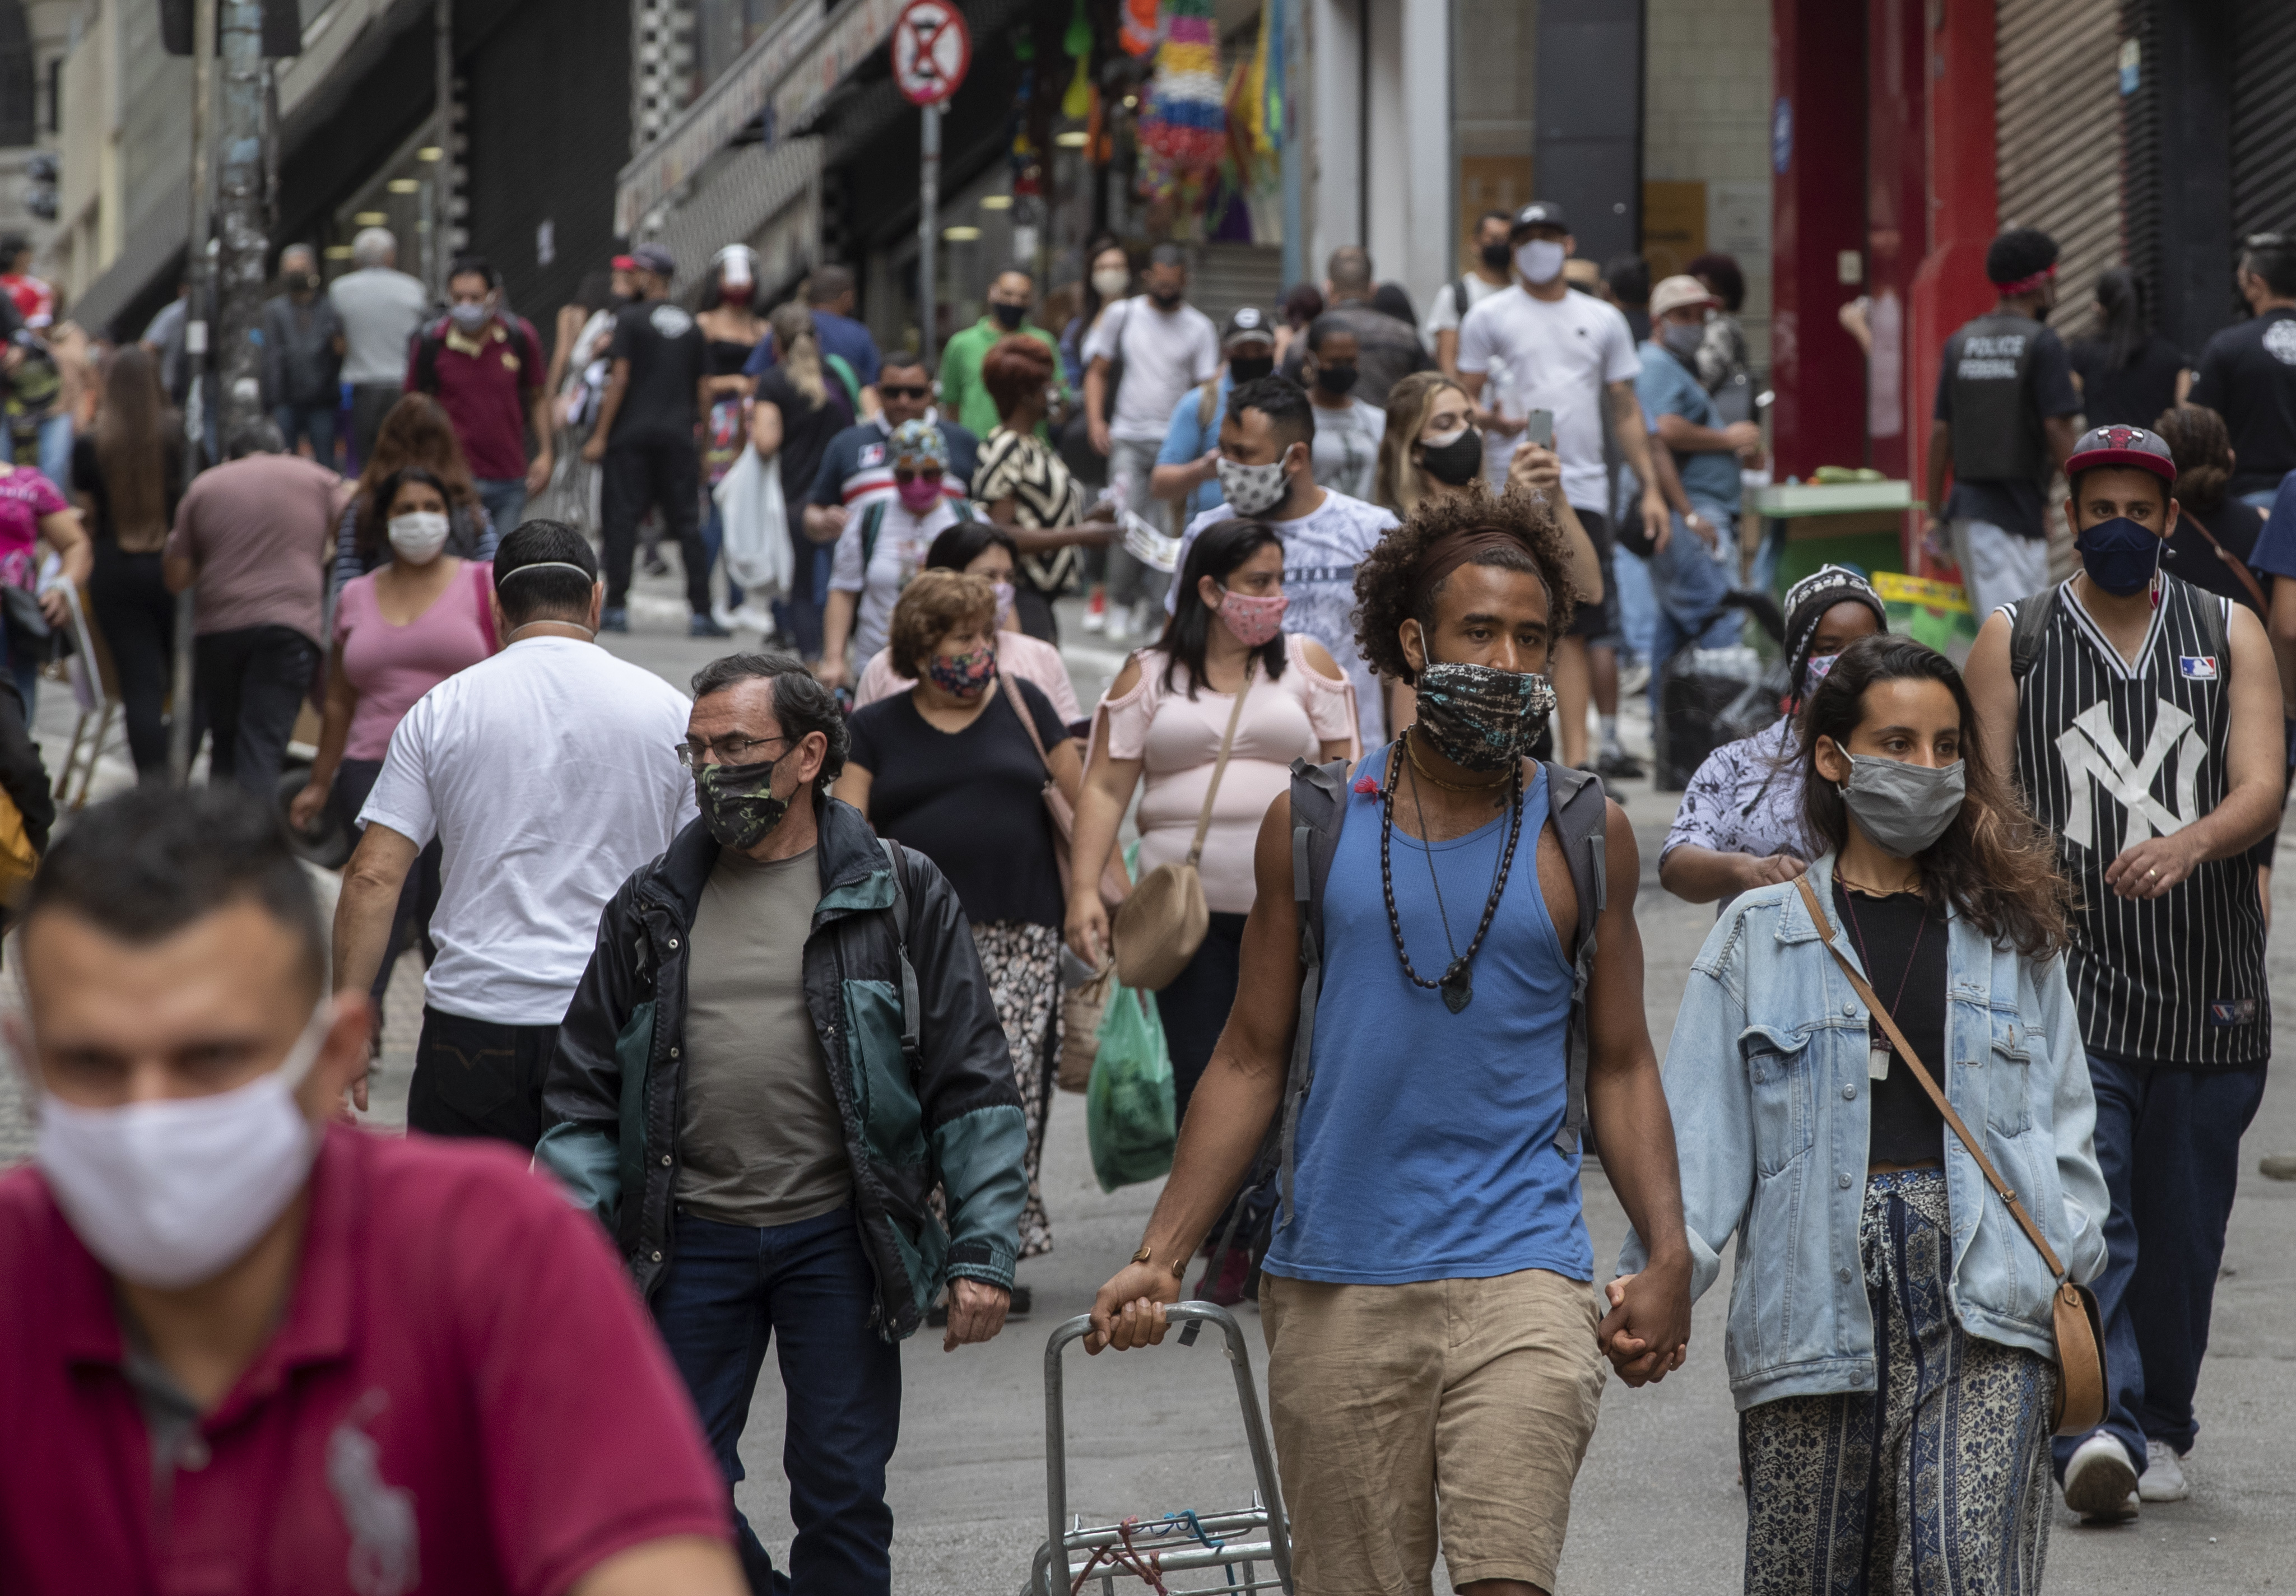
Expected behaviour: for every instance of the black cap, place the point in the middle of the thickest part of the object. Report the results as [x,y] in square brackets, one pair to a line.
[654,258]
[1247,323]
[1539,213]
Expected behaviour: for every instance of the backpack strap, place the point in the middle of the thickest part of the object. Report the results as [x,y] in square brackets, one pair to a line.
[873,521]
[1575,803]
[1459,303]
[912,1027]
[1319,807]
[845,378]
[963,508]
[2027,627]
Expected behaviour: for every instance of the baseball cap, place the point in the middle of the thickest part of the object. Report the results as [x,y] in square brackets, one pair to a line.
[1677,294]
[654,258]
[2122,446]
[1539,213]
[1248,324]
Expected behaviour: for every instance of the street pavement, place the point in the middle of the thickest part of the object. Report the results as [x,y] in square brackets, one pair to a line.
[1658,1510]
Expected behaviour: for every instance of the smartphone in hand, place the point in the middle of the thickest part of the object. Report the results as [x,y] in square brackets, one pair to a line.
[1538,428]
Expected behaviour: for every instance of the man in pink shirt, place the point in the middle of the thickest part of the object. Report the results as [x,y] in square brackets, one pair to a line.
[245,1349]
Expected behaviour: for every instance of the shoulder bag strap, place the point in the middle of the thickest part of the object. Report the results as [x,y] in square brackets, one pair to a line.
[1227,741]
[1922,1074]
[1027,721]
[2247,580]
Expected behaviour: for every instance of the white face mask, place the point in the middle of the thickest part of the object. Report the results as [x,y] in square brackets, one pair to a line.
[170,1193]
[1110,282]
[417,536]
[1539,260]
[1250,489]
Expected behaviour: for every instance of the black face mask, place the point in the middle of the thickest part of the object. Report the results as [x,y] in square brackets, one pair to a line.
[737,802]
[1165,298]
[1497,257]
[1335,379]
[1456,463]
[1008,316]
[1250,368]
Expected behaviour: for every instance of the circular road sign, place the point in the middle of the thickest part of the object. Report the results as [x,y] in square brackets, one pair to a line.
[931,49]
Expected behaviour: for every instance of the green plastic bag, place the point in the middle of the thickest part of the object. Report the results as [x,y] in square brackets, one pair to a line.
[1129,1105]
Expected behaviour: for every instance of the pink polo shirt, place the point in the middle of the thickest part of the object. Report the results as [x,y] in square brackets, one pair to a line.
[464,1396]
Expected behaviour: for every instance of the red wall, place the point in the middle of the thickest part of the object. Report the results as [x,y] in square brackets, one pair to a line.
[1896,218]
[1816,212]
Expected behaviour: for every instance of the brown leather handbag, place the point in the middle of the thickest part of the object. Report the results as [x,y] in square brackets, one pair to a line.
[1164,921]
[2080,1333]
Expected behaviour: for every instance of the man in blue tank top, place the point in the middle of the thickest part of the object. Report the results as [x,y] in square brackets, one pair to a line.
[1435,1337]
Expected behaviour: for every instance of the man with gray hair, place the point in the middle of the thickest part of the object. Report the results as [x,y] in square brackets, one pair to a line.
[1388,349]
[380,308]
[302,354]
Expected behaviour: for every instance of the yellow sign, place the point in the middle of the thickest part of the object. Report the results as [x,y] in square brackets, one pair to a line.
[1674,227]
[1488,182]
[1897,588]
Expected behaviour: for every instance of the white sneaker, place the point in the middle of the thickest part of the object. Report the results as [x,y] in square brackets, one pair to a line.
[1148,618]
[2164,1474]
[2100,1483]
[1118,624]
[1095,617]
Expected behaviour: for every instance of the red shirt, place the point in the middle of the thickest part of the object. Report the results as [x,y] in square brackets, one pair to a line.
[464,1395]
[487,384]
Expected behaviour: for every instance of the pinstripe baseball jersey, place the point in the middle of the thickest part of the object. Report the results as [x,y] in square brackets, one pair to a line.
[2110,754]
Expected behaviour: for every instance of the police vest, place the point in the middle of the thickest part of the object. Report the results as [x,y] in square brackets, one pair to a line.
[1997,428]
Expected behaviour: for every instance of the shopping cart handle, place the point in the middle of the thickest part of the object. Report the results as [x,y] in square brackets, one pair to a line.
[1190,1316]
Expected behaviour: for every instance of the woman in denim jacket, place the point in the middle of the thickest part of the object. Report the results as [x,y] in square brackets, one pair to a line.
[1890,1341]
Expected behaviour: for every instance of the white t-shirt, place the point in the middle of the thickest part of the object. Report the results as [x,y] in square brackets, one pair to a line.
[1551,355]
[1321,551]
[1446,313]
[902,542]
[550,773]
[1164,354]
[1346,450]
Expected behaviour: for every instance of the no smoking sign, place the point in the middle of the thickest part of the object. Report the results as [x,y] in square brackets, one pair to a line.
[931,49]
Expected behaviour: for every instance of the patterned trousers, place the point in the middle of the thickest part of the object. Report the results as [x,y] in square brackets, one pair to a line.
[1936,1481]
[1023,965]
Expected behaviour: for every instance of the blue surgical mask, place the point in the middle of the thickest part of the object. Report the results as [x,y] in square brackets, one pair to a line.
[2120,555]
[466,317]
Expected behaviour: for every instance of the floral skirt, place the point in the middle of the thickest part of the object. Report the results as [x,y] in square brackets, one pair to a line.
[1936,1481]
[1023,965]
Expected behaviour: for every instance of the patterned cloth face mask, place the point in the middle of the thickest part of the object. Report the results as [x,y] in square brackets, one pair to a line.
[1480,717]
[965,675]
[1255,619]
[1250,489]
[737,802]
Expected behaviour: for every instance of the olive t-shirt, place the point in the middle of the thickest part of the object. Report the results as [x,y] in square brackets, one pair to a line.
[759,1137]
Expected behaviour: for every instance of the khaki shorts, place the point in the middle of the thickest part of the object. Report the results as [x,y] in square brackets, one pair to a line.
[1458,1406]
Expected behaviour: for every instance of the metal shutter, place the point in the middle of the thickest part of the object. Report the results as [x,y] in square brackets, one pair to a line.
[2058,113]
[2264,118]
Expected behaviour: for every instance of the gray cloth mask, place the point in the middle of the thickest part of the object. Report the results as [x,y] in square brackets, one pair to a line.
[1903,807]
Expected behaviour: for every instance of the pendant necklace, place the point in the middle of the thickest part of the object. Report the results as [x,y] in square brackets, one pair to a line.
[1457,984]
[1879,1050]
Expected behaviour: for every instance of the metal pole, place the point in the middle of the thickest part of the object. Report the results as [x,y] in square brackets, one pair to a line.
[442,170]
[243,213]
[928,231]
[196,317]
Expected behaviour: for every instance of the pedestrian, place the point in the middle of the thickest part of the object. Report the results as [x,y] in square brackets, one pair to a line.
[252,540]
[163,338]
[1166,722]
[1301,306]
[951,769]
[1348,429]
[1387,350]
[1625,283]
[847,349]
[207,1276]
[380,308]
[1740,824]
[1143,354]
[418,615]
[1107,278]
[1539,348]
[1011,296]
[2136,713]
[1025,488]
[1187,465]
[759,969]
[127,476]
[645,441]
[577,381]
[2127,373]
[1430,446]
[2216,533]
[2002,424]
[1266,473]
[1393,299]
[733,328]
[984,549]
[415,435]
[2247,372]
[485,366]
[1725,362]
[1485,275]
[1430,1280]
[883,547]
[303,356]
[547,772]
[1108,281]
[1894,1418]
[799,411]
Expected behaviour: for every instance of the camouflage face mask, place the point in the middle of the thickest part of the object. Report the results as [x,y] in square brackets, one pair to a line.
[737,802]
[1481,718]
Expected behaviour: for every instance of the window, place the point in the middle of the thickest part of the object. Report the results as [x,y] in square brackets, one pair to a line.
[19,117]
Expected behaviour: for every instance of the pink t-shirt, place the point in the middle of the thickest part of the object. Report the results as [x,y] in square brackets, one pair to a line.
[25,496]
[1031,658]
[392,666]
[1178,739]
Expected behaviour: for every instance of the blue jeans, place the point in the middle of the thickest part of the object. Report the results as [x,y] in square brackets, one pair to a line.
[1688,586]
[730,1290]
[798,616]
[713,540]
[504,498]
[314,422]
[1638,602]
[54,450]
[2169,1142]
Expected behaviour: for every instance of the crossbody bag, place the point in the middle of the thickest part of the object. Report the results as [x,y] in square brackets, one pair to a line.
[1164,921]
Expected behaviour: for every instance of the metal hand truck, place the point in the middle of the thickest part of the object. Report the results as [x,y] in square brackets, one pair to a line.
[1219,1551]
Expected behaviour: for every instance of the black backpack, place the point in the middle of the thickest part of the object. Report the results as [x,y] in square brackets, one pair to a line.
[2031,623]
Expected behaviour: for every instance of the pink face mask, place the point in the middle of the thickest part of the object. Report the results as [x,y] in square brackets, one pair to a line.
[1254,620]
[919,494]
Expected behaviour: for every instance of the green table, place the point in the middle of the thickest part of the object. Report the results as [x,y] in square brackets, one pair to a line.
[1836,523]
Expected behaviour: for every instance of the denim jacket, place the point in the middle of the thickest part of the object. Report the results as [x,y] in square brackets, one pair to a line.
[1766,1078]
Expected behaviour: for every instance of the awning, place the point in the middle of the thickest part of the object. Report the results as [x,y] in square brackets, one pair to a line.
[755,185]
[784,77]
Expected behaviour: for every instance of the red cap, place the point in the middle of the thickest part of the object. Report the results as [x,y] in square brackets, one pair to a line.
[2122,446]
[624,263]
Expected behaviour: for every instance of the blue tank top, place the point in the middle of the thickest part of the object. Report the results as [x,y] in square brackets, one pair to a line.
[1426,1146]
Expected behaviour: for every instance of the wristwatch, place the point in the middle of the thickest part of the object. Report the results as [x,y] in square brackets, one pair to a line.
[1147,1255]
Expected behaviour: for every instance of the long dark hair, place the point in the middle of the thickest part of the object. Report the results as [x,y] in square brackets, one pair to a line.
[961,543]
[131,444]
[1218,551]
[1995,863]
[374,529]
[2120,296]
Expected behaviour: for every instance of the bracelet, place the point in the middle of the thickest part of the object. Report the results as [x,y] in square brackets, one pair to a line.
[1147,1255]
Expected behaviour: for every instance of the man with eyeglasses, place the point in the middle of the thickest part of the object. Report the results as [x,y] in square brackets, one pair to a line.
[820,1051]
[884,541]
[548,772]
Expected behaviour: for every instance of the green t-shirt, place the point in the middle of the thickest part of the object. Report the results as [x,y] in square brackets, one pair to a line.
[961,388]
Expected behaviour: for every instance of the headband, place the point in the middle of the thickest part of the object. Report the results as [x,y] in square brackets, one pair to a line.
[544,565]
[1453,550]
[2026,285]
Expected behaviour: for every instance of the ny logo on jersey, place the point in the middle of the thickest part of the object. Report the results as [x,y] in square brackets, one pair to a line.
[2090,748]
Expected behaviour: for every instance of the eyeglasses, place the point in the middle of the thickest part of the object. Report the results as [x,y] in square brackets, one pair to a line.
[901,391]
[728,750]
[929,473]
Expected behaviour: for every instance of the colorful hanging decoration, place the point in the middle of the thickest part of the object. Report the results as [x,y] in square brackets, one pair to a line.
[1183,125]
[1141,28]
[1270,64]
[1076,104]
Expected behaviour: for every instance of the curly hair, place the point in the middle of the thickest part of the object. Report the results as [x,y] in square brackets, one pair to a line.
[937,603]
[1387,578]
[2201,448]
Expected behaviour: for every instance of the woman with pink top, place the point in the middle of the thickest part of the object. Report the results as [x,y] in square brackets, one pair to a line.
[984,549]
[400,630]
